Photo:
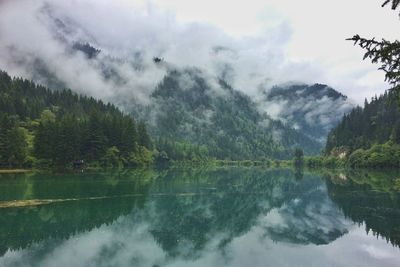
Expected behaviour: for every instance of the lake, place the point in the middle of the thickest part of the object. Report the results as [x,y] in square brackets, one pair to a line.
[200,217]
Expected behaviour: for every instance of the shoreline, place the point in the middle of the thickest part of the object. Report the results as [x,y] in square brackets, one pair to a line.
[10,171]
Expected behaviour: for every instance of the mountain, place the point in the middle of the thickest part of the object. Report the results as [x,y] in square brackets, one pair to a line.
[311,109]
[195,99]
[194,111]
[188,106]
[197,110]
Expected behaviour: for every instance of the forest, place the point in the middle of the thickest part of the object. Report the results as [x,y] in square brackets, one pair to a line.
[47,128]
[366,137]
[225,124]
[43,128]
[370,136]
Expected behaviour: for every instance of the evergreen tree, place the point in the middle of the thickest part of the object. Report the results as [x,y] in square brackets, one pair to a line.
[384,52]
[16,147]
[95,143]
[143,137]
[298,157]
[56,128]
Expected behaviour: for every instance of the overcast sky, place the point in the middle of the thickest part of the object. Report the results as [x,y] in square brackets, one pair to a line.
[317,32]
[269,41]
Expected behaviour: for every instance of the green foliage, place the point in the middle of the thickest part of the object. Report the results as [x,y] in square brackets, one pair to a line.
[143,157]
[143,137]
[357,158]
[368,197]
[325,162]
[366,132]
[181,151]
[298,159]
[44,128]
[378,156]
[385,155]
[224,122]
[376,123]
[16,146]
[112,157]
[384,52]
[13,142]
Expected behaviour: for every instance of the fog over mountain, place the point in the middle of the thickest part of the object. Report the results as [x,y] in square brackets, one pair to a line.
[311,109]
[121,51]
[45,32]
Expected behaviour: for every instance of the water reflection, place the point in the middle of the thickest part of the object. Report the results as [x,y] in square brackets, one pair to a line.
[206,217]
[369,198]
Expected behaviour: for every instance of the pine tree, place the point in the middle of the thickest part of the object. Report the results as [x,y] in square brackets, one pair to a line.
[65,127]
[143,137]
[95,139]
[384,52]
[298,157]
[16,147]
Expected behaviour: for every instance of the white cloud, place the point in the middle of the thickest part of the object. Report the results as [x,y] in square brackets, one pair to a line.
[268,42]
[319,32]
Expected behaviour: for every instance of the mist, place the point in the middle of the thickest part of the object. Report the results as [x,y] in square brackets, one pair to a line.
[38,38]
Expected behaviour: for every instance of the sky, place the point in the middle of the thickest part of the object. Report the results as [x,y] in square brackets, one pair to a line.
[316,32]
[254,44]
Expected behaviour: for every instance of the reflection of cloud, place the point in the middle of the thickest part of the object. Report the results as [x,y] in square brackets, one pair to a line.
[124,243]
[312,218]
[377,252]
[297,213]
[128,242]
[250,250]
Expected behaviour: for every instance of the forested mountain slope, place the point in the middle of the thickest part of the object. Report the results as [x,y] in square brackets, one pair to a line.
[193,115]
[55,128]
[312,109]
[369,136]
[186,107]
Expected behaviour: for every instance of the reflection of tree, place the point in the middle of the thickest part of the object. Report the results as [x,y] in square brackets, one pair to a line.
[299,173]
[185,209]
[229,203]
[369,198]
[20,227]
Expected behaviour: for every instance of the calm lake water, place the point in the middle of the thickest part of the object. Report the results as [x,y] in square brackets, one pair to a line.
[200,217]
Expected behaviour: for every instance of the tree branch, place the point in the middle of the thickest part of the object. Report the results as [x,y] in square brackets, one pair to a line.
[395,3]
[382,52]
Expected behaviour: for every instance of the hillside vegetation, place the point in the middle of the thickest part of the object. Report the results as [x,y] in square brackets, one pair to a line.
[40,127]
[369,136]
[221,121]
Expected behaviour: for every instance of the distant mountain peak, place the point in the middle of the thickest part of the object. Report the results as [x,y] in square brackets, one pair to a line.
[316,91]
[313,109]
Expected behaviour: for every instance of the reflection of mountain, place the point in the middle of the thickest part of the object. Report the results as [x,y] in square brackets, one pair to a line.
[370,198]
[20,227]
[309,219]
[186,210]
[232,202]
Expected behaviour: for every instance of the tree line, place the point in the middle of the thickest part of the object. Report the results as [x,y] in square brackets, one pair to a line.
[40,127]
[366,137]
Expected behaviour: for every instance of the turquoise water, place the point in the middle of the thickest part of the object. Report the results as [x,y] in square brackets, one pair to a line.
[200,217]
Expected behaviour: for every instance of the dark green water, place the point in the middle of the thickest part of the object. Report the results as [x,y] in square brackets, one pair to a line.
[198,217]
